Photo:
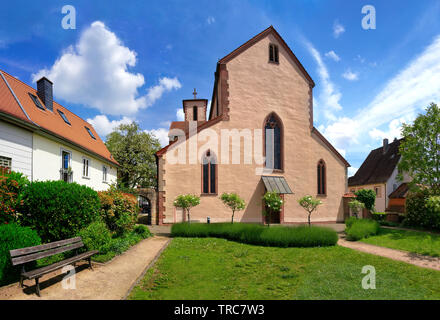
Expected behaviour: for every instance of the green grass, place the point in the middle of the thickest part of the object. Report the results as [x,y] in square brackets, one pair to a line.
[279,236]
[212,268]
[412,241]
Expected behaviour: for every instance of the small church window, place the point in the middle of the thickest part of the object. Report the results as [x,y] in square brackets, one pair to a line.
[273,53]
[195,113]
[209,173]
[321,177]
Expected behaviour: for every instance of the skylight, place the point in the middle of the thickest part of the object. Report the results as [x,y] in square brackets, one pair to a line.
[36,101]
[90,132]
[63,116]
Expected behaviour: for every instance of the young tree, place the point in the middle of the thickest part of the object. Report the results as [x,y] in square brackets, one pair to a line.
[309,204]
[234,202]
[186,202]
[356,207]
[273,203]
[134,149]
[367,197]
[420,150]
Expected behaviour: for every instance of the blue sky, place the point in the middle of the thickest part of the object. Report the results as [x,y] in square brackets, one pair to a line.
[367,81]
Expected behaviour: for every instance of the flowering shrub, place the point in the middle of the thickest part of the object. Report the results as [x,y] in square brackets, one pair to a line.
[186,202]
[273,203]
[118,210]
[234,202]
[356,207]
[309,204]
[11,188]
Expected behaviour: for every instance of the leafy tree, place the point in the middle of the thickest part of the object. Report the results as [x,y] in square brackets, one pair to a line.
[420,150]
[186,202]
[273,203]
[367,197]
[356,206]
[134,149]
[309,204]
[234,202]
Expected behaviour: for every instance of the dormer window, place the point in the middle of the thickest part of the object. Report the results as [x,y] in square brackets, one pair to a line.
[36,101]
[90,132]
[63,116]
[273,53]
[195,113]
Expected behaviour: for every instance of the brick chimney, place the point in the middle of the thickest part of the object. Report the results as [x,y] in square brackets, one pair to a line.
[45,92]
[385,145]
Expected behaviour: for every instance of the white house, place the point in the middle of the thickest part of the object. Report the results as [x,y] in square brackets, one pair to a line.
[45,141]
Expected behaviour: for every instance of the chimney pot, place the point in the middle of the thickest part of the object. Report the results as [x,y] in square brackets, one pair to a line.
[385,145]
[45,92]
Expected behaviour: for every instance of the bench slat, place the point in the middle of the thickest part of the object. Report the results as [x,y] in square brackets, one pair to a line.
[41,247]
[58,265]
[43,254]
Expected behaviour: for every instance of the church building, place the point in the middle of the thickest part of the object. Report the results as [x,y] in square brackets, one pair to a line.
[258,136]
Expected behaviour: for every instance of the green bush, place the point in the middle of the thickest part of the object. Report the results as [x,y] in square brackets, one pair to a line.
[279,236]
[96,236]
[362,228]
[421,210]
[142,230]
[12,185]
[118,210]
[58,210]
[379,216]
[349,221]
[367,197]
[13,236]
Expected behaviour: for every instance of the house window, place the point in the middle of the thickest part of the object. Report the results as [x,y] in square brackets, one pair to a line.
[353,190]
[66,171]
[273,141]
[321,174]
[209,173]
[5,162]
[195,113]
[62,115]
[378,192]
[36,101]
[273,53]
[104,174]
[85,172]
[90,132]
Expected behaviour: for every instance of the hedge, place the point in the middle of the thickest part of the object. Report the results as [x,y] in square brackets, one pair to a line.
[361,228]
[419,213]
[13,236]
[58,210]
[278,236]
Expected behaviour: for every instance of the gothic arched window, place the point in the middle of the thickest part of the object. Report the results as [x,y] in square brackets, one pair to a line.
[273,138]
[321,177]
[209,173]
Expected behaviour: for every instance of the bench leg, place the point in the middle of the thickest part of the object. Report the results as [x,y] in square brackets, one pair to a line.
[21,281]
[37,286]
[90,263]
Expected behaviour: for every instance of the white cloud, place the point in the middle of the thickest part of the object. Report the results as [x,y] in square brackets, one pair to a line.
[180,114]
[104,126]
[95,72]
[352,171]
[350,76]
[161,134]
[332,55]
[329,96]
[210,20]
[338,29]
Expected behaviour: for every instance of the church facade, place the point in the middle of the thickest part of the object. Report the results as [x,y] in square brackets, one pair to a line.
[258,136]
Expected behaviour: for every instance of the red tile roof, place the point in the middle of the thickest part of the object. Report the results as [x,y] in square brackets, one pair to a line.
[47,120]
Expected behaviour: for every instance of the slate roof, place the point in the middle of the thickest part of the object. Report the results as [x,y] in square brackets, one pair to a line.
[276,184]
[378,166]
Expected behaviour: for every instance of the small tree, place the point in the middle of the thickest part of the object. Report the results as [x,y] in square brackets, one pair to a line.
[234,202]
[367,197]
[356,206]
[273,203]
[186,202]
[309,204]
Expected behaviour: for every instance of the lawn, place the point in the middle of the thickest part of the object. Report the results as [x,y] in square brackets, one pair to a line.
[210,268]
[412,241]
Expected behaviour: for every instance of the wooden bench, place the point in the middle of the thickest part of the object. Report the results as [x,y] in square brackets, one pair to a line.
[29,254]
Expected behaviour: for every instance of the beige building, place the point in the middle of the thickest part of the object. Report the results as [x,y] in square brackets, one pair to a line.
[261,106]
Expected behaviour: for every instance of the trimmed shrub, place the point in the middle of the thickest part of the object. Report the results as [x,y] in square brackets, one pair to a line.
[349,221]
[12,185]
[362,228]
[142,231]
[58,210]
[96,236]
[379,216]
[13,236]
[421,210]
[279,236]
[118,210]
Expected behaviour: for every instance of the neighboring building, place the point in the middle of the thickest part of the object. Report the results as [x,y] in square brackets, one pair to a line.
[379,173]
[45,141]
[261,85]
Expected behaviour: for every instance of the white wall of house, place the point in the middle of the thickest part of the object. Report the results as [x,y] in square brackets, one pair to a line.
[47,159]
[393,183]
[16,144]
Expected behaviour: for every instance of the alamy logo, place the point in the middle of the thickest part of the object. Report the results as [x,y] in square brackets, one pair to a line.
[69,20]
[369,281]
[369,20]
[69,280]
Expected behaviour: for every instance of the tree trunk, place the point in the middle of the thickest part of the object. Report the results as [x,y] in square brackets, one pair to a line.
[270,216]
[189,217]
[233,212]
[308,218]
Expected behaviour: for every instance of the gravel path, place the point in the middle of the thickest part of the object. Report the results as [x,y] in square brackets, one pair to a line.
[405,256]
[106,282]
